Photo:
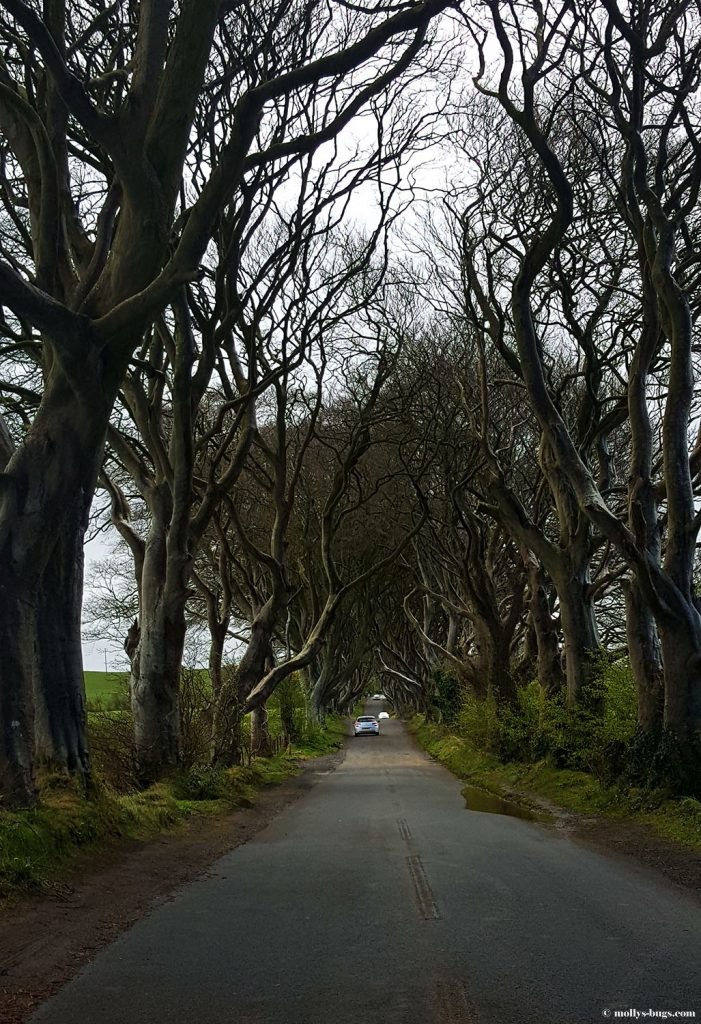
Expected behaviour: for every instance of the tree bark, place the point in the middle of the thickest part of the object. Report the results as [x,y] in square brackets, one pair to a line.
[155,676]
[318,692]
[680,640]
[579,630]
[38,505]
[644,657]
[261,743]
[548,660]
[59,686]
[218,632]
[495,664]
[17,619]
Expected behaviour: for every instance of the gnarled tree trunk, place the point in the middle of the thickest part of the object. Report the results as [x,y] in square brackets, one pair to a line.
[17,624]
[548,660]
[59,685]
[41,519]
[644,657]
[318,689]
[155,674]
[680,639]
[261,742]
[579,630]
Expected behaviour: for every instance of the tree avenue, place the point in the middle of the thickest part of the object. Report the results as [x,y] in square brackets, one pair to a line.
[367,335]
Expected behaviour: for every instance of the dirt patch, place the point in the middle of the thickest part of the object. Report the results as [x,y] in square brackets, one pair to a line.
[679,864]
[45,941]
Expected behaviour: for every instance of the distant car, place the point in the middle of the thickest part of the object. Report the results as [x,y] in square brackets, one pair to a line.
[383,714]
[366,725]
[378,696]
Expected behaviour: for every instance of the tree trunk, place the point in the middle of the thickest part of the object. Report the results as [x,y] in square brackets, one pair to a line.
[318,693]
[261,743]
[17,619]
[257,656]
[681,658]
[495,664]
[155,690]
[644,657]
[224,689]
[57,461]
[453,633]
[259,649]
[59,685]
[155,676]
[217,632]
[579,632]
[548,660]
[229,707]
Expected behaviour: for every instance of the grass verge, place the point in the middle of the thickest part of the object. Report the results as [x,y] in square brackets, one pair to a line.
[676,819]
[37,846]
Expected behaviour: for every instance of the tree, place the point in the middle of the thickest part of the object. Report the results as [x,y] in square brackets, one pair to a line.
[660,182]
[118,225]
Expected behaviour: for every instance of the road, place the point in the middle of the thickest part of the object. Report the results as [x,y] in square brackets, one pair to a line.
[378,897]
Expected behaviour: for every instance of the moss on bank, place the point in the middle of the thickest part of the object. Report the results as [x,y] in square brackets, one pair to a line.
[36,846]
[676,819]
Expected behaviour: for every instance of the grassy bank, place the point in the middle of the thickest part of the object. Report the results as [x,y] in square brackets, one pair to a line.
[677,819]
[37,846]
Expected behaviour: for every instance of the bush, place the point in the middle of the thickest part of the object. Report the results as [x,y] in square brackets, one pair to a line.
[448,695]
[659,761]
[538,726]
[196,700]
[111,732]
[600,736]
[289,702]
[201,782]
[111,742]
[478,721]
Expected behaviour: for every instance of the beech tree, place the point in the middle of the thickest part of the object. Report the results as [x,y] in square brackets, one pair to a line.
[658,189]
[98,110]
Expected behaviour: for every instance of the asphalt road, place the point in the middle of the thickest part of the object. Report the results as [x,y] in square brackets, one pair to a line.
[379,898]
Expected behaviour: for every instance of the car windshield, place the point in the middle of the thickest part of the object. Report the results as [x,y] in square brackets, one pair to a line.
[366,718]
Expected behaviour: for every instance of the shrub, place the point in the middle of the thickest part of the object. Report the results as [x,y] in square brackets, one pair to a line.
[196,710]
[599,736]
[537,726]
[477,720]
[290,703]
[201,782]
[111,742]
[662,761]
[448,695]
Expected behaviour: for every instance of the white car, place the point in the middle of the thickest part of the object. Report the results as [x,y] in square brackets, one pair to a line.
[378,696]
[366,725]
[383,714]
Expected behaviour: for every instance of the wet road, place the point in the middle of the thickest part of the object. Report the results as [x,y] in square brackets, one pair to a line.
[379,898]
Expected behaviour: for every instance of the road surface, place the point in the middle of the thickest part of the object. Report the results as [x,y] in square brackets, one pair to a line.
[379,898]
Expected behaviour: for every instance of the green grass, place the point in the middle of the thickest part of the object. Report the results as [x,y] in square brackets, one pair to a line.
[35,845]
[38,846]
[103,685]
[676,819]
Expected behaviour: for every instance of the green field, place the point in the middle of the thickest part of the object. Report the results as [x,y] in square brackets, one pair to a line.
[102,685]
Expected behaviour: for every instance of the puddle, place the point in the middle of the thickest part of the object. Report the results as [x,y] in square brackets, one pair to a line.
[489,803]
